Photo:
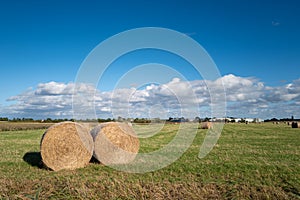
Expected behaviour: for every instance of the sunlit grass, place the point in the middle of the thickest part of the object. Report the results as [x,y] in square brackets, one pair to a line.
[251,161]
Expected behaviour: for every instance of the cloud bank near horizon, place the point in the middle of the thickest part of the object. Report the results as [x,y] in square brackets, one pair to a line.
[245,97]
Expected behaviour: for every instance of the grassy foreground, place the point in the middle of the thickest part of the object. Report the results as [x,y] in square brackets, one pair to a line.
[254,161]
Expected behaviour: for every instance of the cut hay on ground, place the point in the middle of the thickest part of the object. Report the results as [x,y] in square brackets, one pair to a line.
[66,145]
[295,125]
[206,125]
[115,143]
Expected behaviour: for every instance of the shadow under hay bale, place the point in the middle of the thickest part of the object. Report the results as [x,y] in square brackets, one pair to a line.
[34,159]
[94,160]
[66,145]
[295,125]
[115,143]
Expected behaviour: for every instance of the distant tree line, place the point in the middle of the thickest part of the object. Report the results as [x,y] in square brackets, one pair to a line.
[21,120]
[48,120]
[137,120]
[100,120]
[282,120]
[3,119]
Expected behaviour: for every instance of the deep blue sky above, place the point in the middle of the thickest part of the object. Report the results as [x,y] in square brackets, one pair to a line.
[42,41]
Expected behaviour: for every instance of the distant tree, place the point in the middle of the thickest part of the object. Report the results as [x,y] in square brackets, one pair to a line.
[3,119]
[48,119]
[170,119]
[101,120]
[120,119]
[15,119]
[197,119]
[243,120]
[104,120]
[142,120]
[27,119]
[156,120]
[182,119]
[206,119]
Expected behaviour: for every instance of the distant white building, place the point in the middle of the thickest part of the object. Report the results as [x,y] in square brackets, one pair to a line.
[257,120]
[249,120]
[232,119]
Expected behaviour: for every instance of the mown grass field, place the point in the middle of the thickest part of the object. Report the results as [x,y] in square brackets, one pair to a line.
[250,161]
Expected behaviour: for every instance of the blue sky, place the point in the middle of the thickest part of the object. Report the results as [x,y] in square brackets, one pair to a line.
[46,41]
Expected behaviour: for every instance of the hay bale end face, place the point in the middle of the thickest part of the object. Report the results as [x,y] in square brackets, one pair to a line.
[115,143]
[206,125]
[66,145]
[295,124]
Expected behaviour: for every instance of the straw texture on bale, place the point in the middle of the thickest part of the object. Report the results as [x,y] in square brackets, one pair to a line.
[206,125]
[66,145]
[295,125]
[115,143]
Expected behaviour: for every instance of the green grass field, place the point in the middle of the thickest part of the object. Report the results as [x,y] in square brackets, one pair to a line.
[254,161]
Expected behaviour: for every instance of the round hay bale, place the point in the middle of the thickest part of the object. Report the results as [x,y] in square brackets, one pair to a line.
[115,143]
[206,125]
[66,145]
[295,125]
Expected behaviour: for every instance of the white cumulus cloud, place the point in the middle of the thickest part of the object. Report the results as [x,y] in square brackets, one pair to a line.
[245,97]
